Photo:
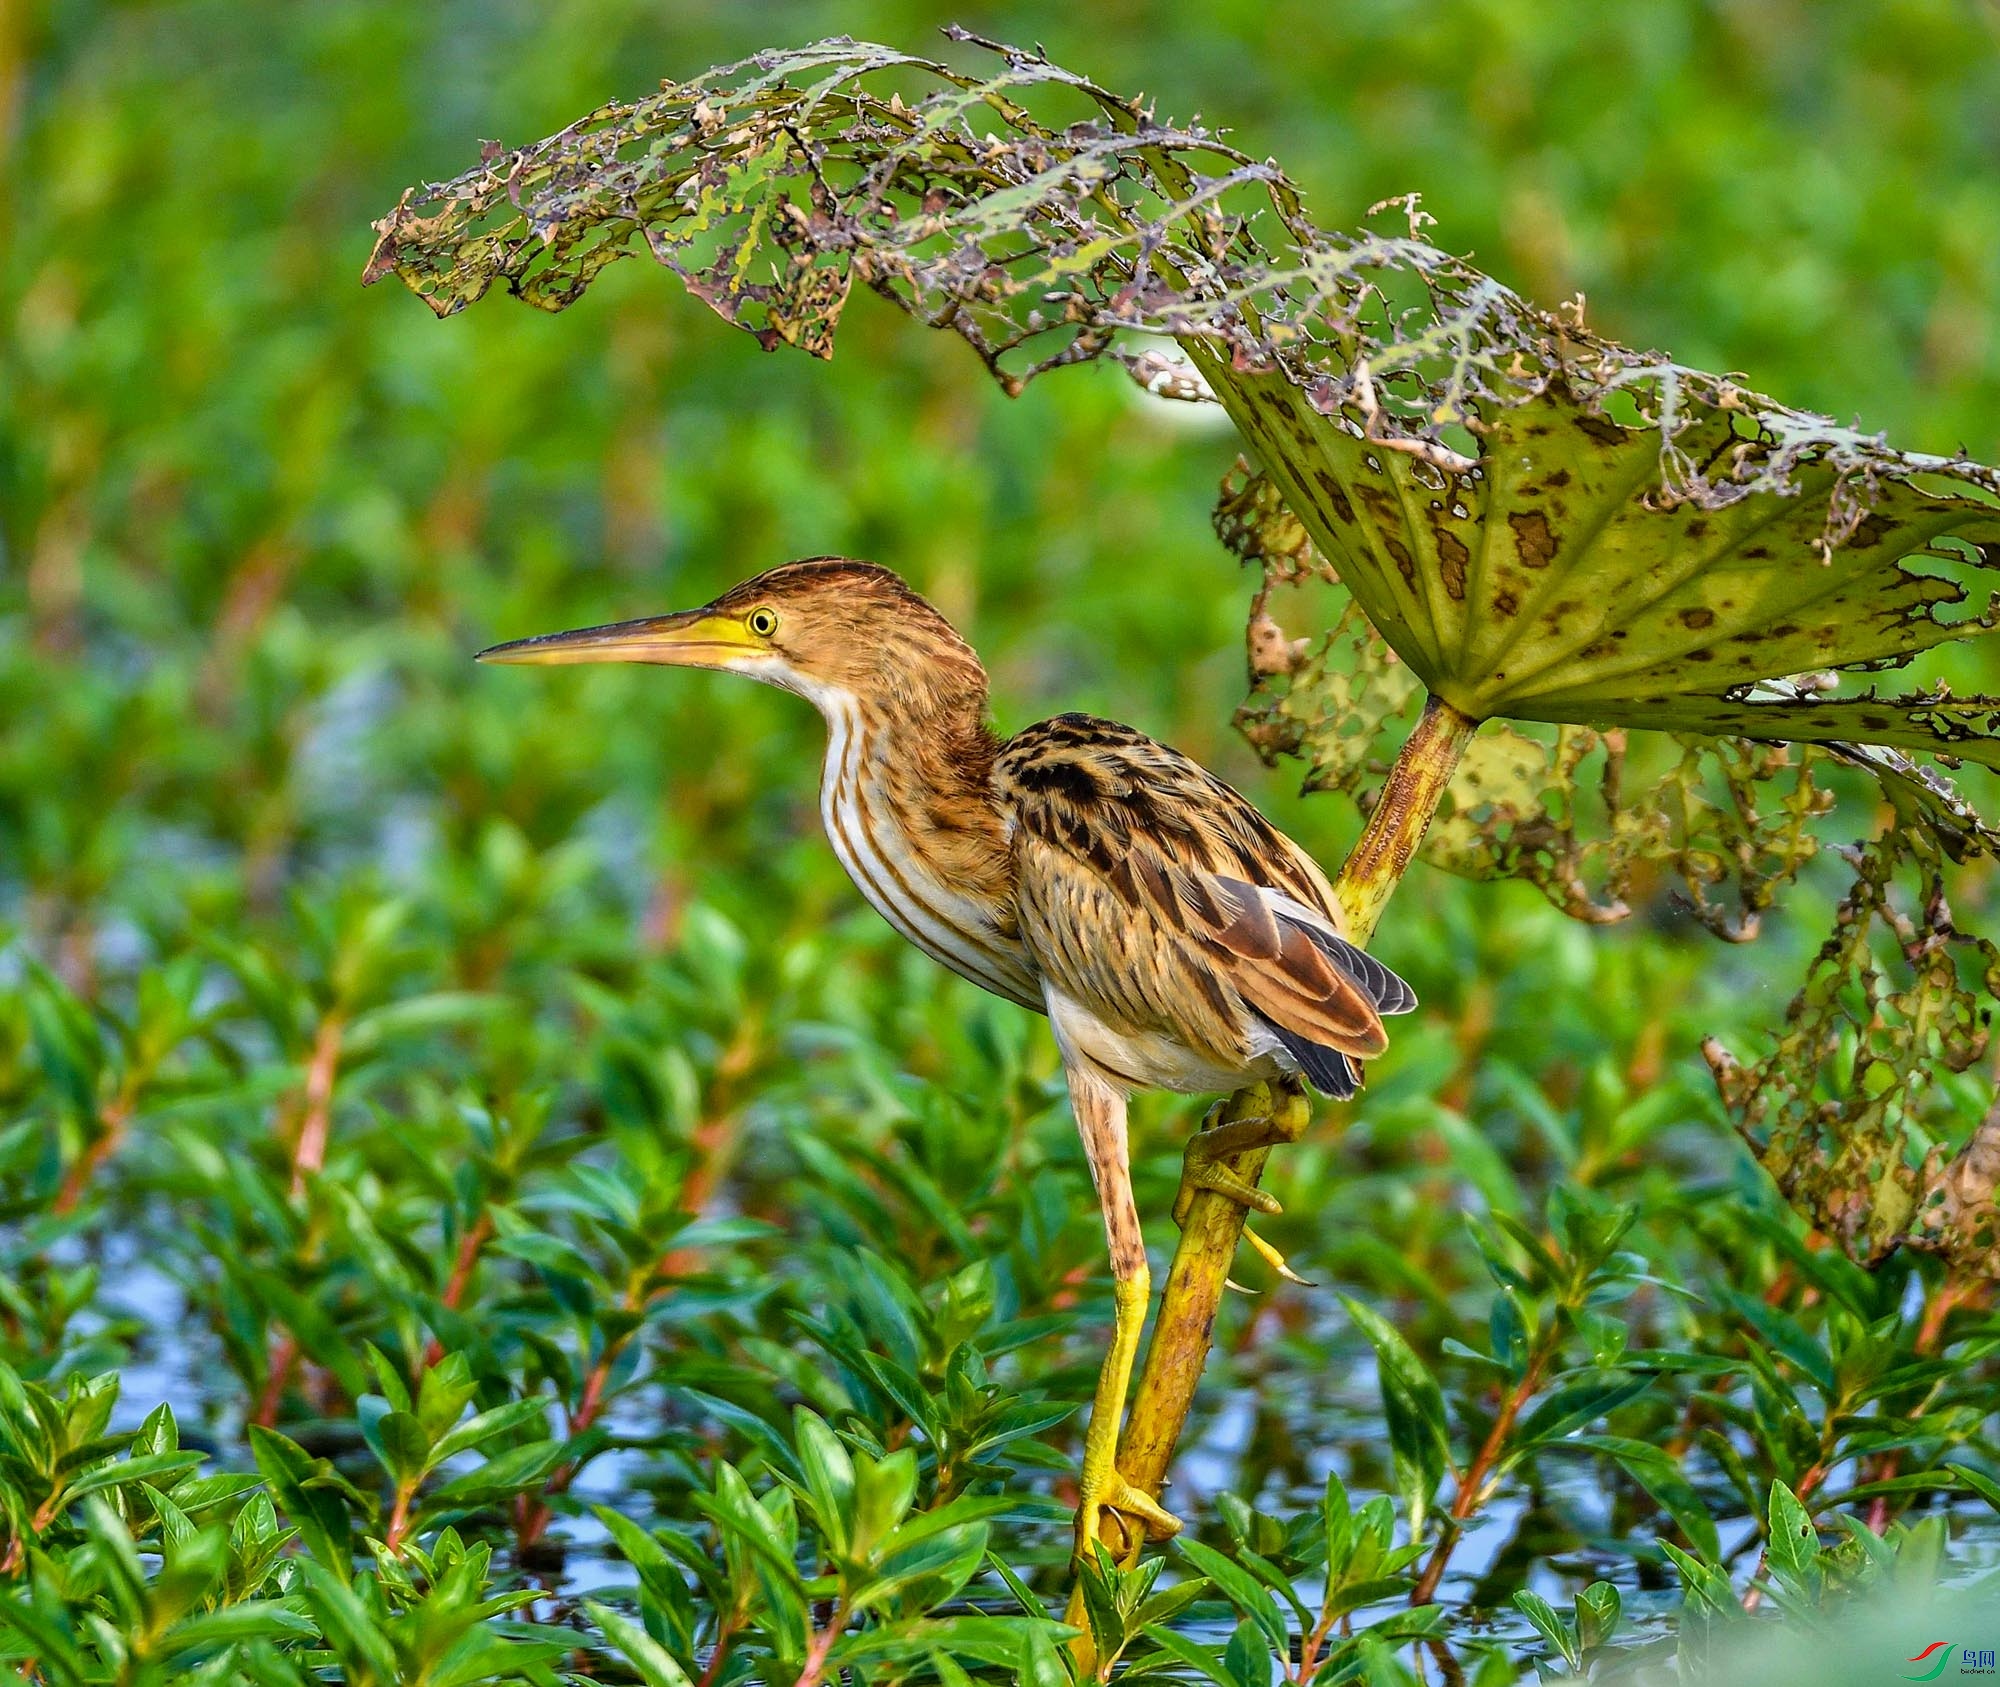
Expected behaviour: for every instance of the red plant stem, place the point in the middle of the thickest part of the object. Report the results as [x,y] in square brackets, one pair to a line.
[1466,1500]
[1952,1293]
[533,1516]
[470,1246]
[309,1154]
[278,1372]
[399,1519]
[712,1139]
[822,1644]
[112,1125]
[718,1657]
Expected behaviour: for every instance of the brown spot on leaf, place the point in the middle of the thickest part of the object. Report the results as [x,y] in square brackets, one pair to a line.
[1381,503]
[1505,603]
[1697,617]
[1404,565]
[1873,530]
[1557,477]
[1696,528]
[1336,499]
[1452,558]
[1757,553]
[1602,429]
[1699,656]
[1533,540]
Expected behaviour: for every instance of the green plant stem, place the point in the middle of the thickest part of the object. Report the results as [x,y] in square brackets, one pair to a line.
[1214,1223]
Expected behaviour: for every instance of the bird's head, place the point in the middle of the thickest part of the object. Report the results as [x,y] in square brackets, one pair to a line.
[828,628]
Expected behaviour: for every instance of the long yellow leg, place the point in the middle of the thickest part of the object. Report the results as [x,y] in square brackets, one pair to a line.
[1100,1119]
[1102,1487]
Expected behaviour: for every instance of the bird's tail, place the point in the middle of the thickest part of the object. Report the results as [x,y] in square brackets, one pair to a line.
[1327,1070]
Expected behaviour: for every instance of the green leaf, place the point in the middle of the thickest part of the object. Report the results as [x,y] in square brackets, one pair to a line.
[1569,590]
[1550,1626]
[1598,1608]
[1575,1404]
[1419,1438]
[657,1666]
[829,1473]
[1190,1655]
[1241,1589]
[1040,1666]
[301,1485]
[1245,1657]
[501,1476]
[398,1441]
[1661,1477]
[127,1471]
[350,1629]
[884,1491]
[1794,1542]
[489,1425]
[252,1619]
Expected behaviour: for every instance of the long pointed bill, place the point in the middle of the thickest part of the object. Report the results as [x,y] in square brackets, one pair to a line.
[695,638]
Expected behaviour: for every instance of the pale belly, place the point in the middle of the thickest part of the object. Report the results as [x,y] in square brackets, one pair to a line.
[1132,1059]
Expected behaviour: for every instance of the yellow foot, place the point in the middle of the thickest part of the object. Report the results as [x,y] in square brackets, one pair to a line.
[1201,1169]
[1138,1514]
[1202,1172]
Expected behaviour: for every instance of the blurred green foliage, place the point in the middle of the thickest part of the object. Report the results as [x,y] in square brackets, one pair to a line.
[689,1268]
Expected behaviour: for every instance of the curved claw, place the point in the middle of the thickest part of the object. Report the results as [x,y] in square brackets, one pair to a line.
[1275,1260]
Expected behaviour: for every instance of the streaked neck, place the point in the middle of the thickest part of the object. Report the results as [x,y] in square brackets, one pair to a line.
[908,806]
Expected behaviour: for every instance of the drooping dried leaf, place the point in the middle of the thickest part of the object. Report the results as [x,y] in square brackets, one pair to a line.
[1850,1112]
[1541,523]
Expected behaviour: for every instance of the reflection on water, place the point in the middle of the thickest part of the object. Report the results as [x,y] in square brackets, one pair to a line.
[1276,1444]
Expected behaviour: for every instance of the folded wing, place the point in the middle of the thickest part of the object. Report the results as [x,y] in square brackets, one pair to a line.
[1156,897]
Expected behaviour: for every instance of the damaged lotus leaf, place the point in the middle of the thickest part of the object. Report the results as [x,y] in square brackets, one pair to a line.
[1850,1112]
[1554,807]
[1564,808]
[1541,523]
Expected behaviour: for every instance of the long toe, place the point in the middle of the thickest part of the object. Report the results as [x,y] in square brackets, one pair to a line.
[1159,1523]
[1201,1174]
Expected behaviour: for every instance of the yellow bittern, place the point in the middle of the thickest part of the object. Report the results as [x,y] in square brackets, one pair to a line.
[1175,938]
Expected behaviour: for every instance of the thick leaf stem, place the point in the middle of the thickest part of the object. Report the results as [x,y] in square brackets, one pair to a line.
[1214,1223]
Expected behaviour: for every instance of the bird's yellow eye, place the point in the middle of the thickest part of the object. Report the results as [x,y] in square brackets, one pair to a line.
[763,622]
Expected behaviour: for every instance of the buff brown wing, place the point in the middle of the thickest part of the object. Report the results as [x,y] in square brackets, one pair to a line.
[1207,924]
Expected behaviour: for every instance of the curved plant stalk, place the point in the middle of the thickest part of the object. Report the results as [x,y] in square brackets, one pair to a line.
[1214,1223]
